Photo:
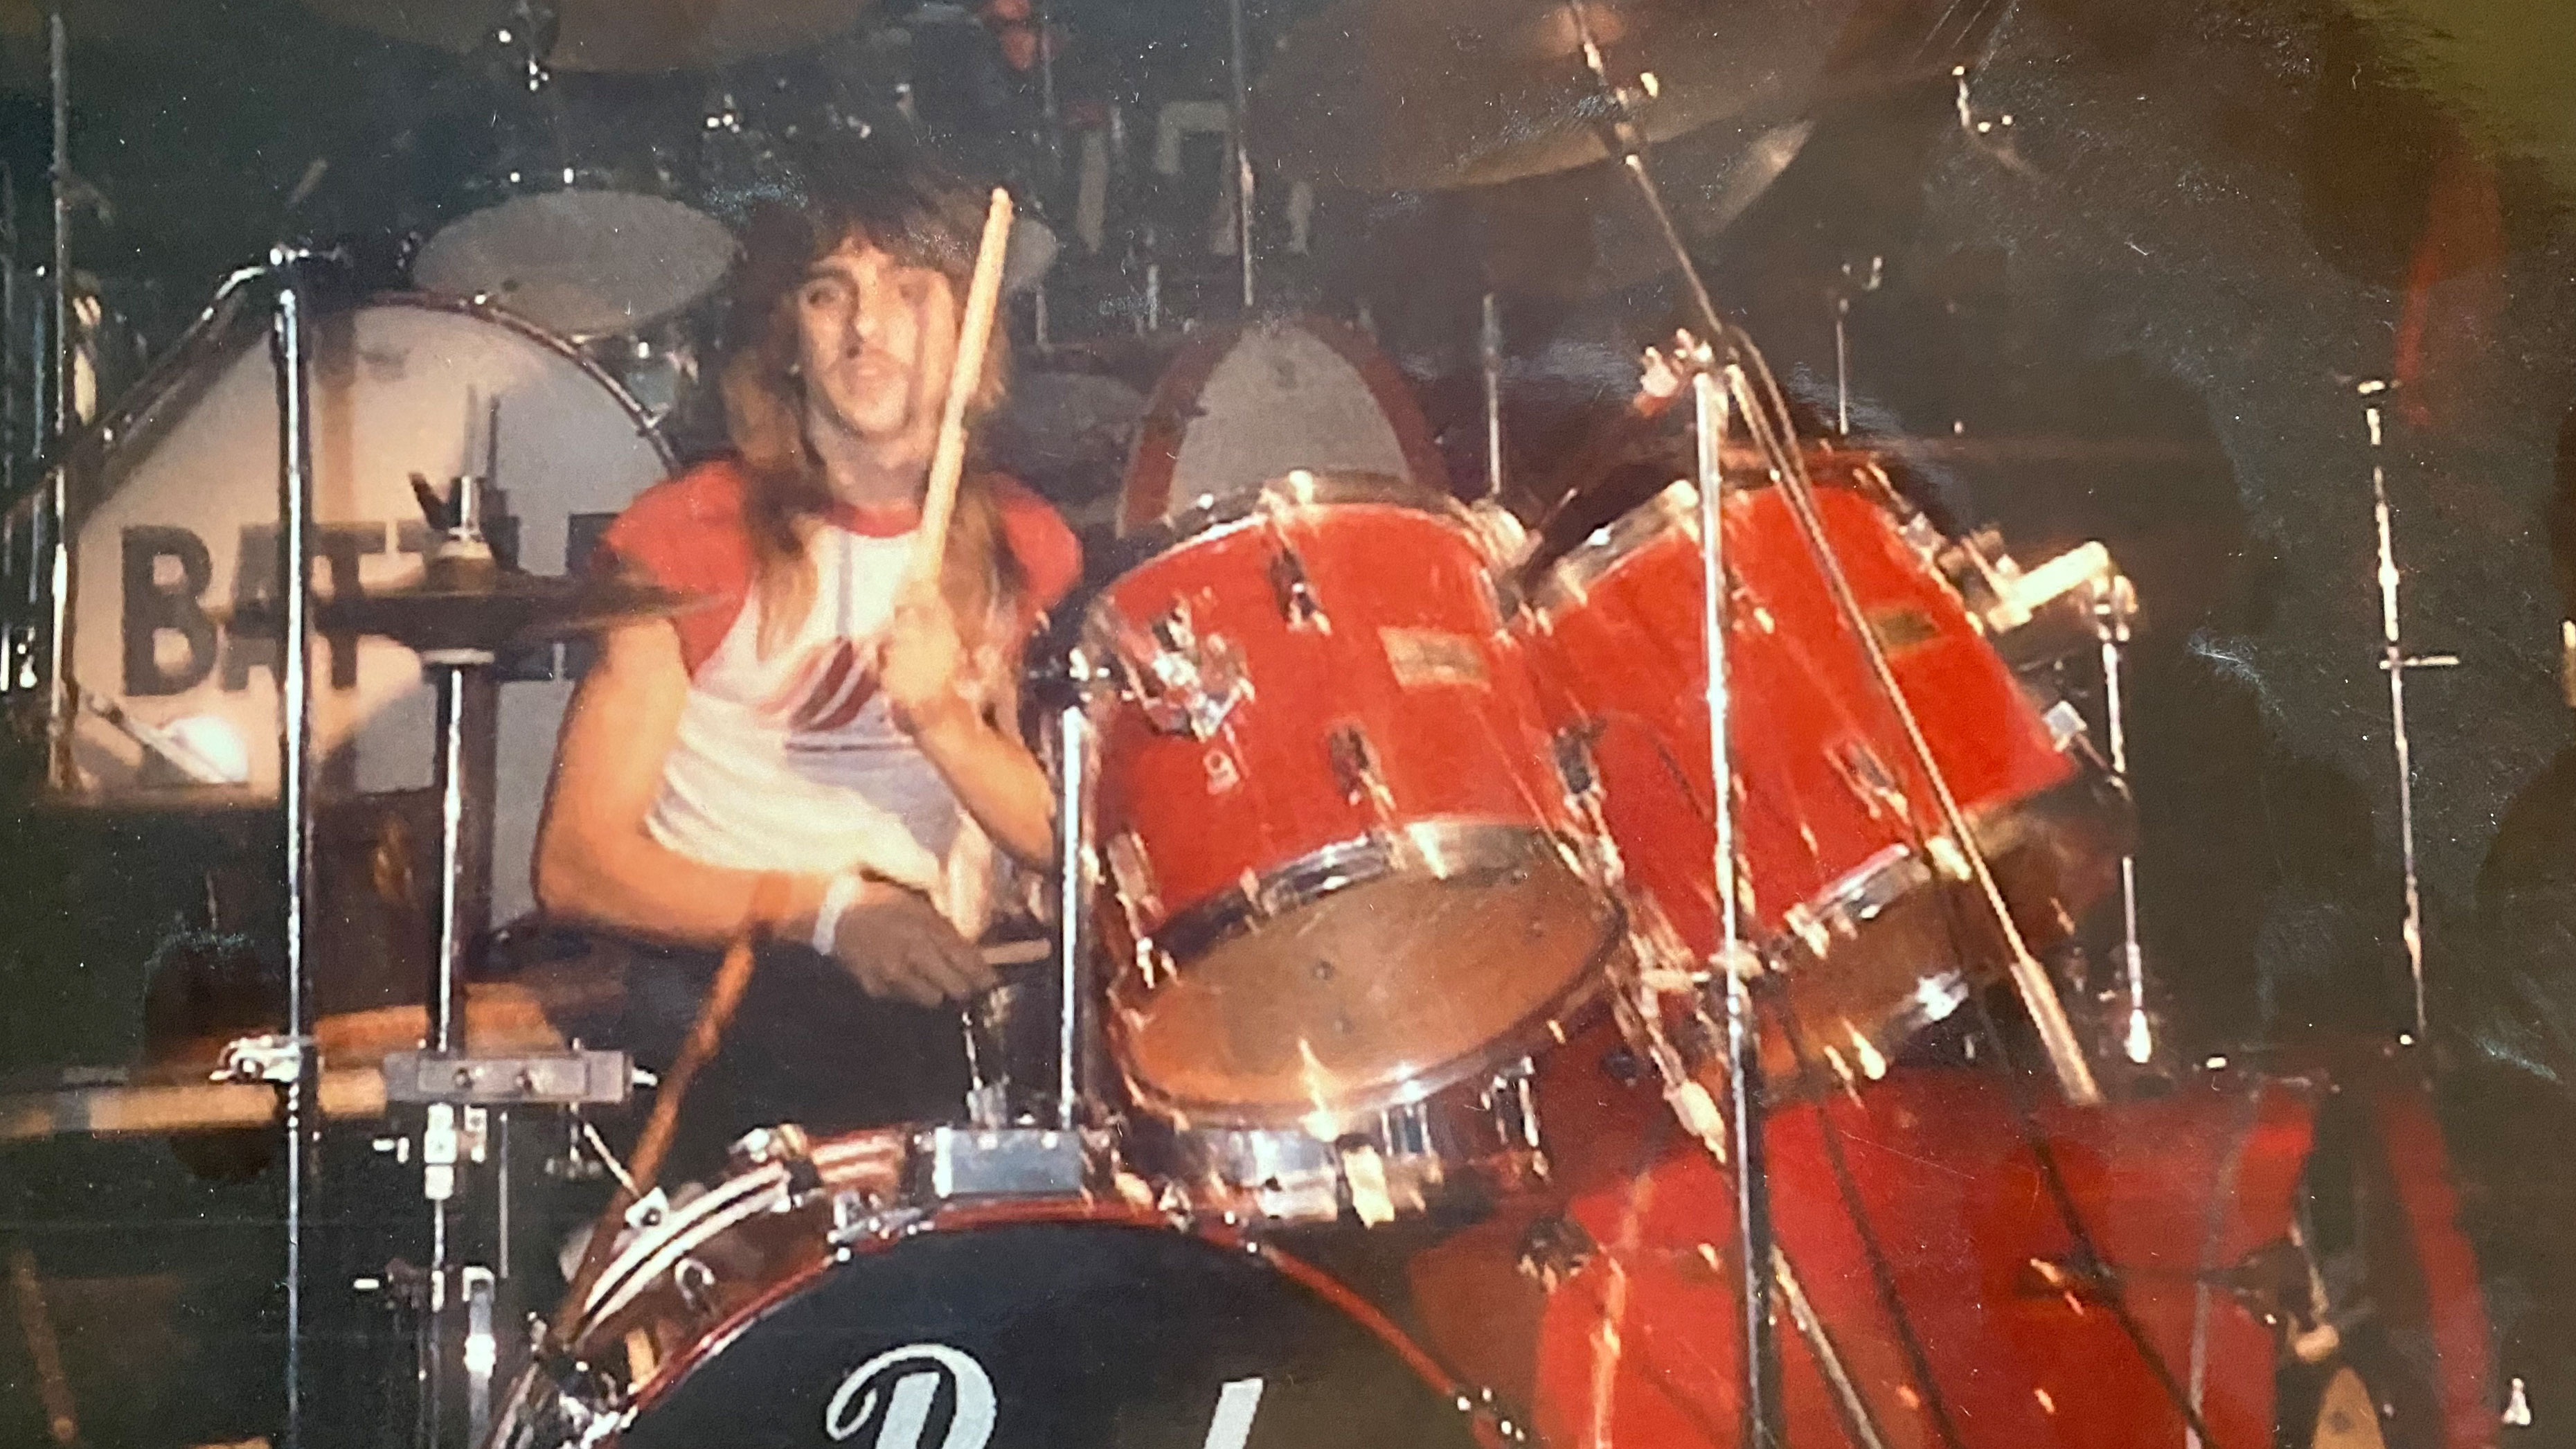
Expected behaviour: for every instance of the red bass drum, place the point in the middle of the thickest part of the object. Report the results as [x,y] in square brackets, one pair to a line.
[2240,1216]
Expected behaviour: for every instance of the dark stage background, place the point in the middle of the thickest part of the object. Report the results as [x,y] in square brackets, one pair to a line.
[2129,275]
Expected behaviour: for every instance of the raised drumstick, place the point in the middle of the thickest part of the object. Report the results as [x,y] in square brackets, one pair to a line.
[974,335]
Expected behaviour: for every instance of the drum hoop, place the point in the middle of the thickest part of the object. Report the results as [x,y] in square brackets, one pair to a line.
[1444,849]
[137,419]
[739,1197]
[156,401]
[1070,1209]
[1288,495]
[1563,584]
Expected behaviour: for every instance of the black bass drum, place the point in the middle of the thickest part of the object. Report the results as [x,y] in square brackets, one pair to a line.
[811,1303]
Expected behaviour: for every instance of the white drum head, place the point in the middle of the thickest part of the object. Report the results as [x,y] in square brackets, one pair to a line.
[583,263]
[1242,406]
[181,529]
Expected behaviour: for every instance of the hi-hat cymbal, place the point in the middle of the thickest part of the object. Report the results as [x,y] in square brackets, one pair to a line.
[612,35]
[1398,95]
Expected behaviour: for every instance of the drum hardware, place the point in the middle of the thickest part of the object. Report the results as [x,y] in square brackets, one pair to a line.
[659,1344]
[2114,607]
[1842,299]
[2395,661]
[1489,358]
[1469,1145]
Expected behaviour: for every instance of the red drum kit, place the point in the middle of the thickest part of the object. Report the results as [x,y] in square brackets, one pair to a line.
[1414,887]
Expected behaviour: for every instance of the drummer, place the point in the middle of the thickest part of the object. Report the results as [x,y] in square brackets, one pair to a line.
[822,755]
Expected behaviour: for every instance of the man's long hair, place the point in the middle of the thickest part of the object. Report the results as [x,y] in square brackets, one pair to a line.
[918,214]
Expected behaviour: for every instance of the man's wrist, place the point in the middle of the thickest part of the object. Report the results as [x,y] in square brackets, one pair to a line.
[949,721]
[840,894]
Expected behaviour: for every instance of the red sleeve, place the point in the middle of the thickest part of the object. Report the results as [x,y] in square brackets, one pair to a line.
[687,533]
[1049,555]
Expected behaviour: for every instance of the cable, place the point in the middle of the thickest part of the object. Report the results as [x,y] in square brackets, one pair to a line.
[1882,1277]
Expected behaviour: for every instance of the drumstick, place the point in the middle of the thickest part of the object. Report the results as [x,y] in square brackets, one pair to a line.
[974,336]
[714,1015]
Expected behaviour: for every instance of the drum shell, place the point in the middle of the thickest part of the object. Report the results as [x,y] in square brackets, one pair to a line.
[735,1284]
[1207,838]
[1832,804]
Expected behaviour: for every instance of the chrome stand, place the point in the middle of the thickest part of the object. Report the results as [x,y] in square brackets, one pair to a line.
[290,338]
[1732,969]
[2396,661]
[2115,606]
[1075,870]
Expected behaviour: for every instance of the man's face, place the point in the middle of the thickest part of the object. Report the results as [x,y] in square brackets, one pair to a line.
[875,342]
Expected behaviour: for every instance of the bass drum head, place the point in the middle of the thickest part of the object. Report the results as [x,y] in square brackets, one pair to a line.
[1240,406]
[177,527]
[1060,1333]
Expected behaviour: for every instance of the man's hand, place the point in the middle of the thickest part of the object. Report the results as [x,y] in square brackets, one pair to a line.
[896,944]
[923,663]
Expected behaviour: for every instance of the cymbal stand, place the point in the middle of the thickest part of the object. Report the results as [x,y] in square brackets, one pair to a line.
[1244,202]
[1766,418]
[1075,866]
[1489,354]
[466,1098]
[55,518]
[2396,661]
[290,338]
[2115,606]
[1765,1417]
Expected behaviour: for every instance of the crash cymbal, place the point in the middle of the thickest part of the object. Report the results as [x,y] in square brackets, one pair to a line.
[1395,95]
[612,35]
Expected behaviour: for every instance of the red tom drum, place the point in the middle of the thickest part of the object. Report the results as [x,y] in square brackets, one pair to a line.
[1854,888]
[1329,810]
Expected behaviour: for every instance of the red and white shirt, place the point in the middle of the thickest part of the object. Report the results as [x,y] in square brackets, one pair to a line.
[791,761]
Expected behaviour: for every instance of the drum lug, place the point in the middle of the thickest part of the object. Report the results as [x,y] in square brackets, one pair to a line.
[1131,875]
[1869,780]
[1186,683]
[1355,765]
[1297,603]
[1554,1250]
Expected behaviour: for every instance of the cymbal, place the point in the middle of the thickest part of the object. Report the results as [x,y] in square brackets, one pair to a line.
[482,609]
[491,610]
[612,35]
[1401,95]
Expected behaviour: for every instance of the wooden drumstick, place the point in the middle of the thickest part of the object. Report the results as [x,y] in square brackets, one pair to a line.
[705,1035]
[974,337]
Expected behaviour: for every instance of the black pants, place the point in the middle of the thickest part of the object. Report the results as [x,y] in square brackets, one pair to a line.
[807,1046]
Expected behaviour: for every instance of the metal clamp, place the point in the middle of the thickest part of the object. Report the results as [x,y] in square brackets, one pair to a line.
[557,1079]
[1297,602]
[270,1058]
[1185,682]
